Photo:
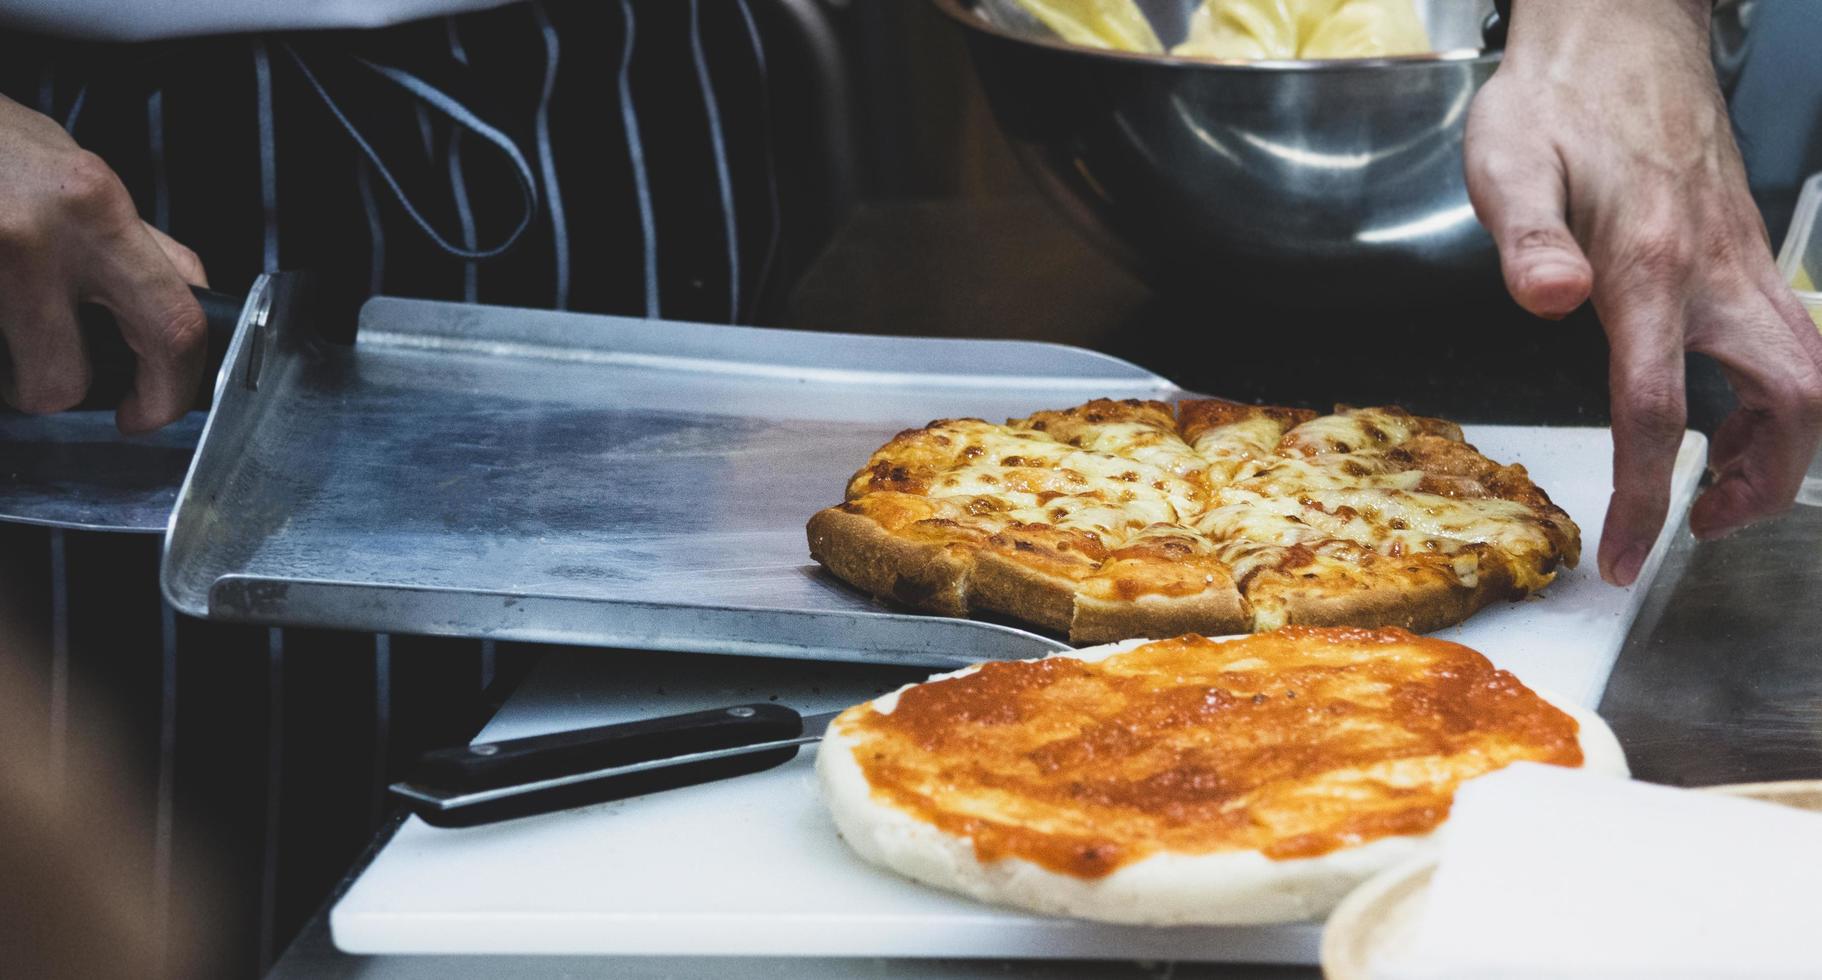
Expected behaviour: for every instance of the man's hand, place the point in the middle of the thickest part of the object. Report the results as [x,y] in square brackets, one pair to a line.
[69,234]
[1601,159]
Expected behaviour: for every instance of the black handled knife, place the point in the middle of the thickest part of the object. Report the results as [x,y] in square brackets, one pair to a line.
[492,781]
[112,362]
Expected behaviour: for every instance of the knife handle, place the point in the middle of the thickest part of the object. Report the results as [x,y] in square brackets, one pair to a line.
[112,363]
[513,762]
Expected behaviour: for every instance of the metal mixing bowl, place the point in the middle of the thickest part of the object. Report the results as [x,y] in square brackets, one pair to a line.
[1308,183]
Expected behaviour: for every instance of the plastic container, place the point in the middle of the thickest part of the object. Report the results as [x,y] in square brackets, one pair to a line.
[1801,258]
[1801,262]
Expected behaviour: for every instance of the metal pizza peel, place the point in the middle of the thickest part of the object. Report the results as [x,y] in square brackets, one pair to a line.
[572,478]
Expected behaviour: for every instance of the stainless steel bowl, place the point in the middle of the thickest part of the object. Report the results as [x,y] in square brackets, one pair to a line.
[1308,183]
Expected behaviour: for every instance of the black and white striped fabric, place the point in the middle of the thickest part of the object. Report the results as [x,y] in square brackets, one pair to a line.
[594,155]
[607,156]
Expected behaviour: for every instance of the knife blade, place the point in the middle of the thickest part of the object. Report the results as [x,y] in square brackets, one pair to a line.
[492,781]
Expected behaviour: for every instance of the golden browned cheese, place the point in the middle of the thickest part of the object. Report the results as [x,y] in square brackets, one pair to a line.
[1138,518]
[1293,743]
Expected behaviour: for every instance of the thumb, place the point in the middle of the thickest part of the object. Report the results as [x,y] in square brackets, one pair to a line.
[1520,198]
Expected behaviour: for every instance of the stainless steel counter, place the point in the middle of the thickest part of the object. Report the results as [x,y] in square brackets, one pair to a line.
[1720,680]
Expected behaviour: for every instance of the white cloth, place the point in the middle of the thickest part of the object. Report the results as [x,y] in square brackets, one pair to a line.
[145,20]
[1549,874]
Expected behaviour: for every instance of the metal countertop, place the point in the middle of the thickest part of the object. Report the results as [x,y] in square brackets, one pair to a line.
[1720,680]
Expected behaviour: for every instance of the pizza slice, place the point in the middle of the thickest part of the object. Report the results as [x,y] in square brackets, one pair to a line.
[1422,494]
[1228,435]
[911,549]
[915,458]
[1351,430]
[1142,431]
[1164,581]
[1292,572]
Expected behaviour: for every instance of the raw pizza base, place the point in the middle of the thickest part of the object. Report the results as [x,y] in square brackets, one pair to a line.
[1165,889]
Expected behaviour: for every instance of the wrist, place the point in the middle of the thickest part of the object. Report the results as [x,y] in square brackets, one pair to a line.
[1554,29]
[1607,10]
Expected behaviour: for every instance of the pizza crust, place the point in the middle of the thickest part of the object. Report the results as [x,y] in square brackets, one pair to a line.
[1003,584]
[1428,600]
[1223,888]
[1420,610]
[930,575]
[1100,620]
[955,578]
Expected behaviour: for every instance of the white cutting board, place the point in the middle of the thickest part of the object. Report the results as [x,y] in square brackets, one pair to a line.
[752,866]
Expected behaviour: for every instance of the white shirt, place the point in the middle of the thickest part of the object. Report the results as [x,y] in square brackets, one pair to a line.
[145,20]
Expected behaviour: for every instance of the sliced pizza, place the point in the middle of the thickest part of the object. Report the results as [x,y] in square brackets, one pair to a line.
[1133,518]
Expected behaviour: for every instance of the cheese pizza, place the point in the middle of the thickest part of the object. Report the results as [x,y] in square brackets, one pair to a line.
[1188,781]
[1117,519]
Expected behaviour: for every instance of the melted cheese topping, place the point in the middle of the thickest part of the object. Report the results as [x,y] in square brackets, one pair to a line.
[1240,517]
[1250,438]
[1164,450]
[1113,523]
[1387,517]
[1160,560]
[1272,555]
[1229,448]
[1356,430]
[1329,471]
[1139,441]
[998,444]
[1292,744]
[1331,505]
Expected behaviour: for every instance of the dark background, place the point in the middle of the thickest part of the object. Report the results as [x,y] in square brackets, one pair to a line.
[907,214]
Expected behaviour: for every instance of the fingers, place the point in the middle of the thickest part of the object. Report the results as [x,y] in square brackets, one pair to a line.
[188,263]
[160,320]
[1646,375]
[122,266]
[50,370]
[1760,458]
[1773,360]
[69,234]
[1519,193]
[1629,157]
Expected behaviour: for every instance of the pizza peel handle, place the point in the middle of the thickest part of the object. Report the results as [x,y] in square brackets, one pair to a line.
[491,781]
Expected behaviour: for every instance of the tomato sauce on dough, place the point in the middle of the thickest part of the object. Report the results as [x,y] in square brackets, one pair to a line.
[1293,743]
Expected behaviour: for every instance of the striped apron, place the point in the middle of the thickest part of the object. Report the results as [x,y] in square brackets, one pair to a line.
[611,156]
